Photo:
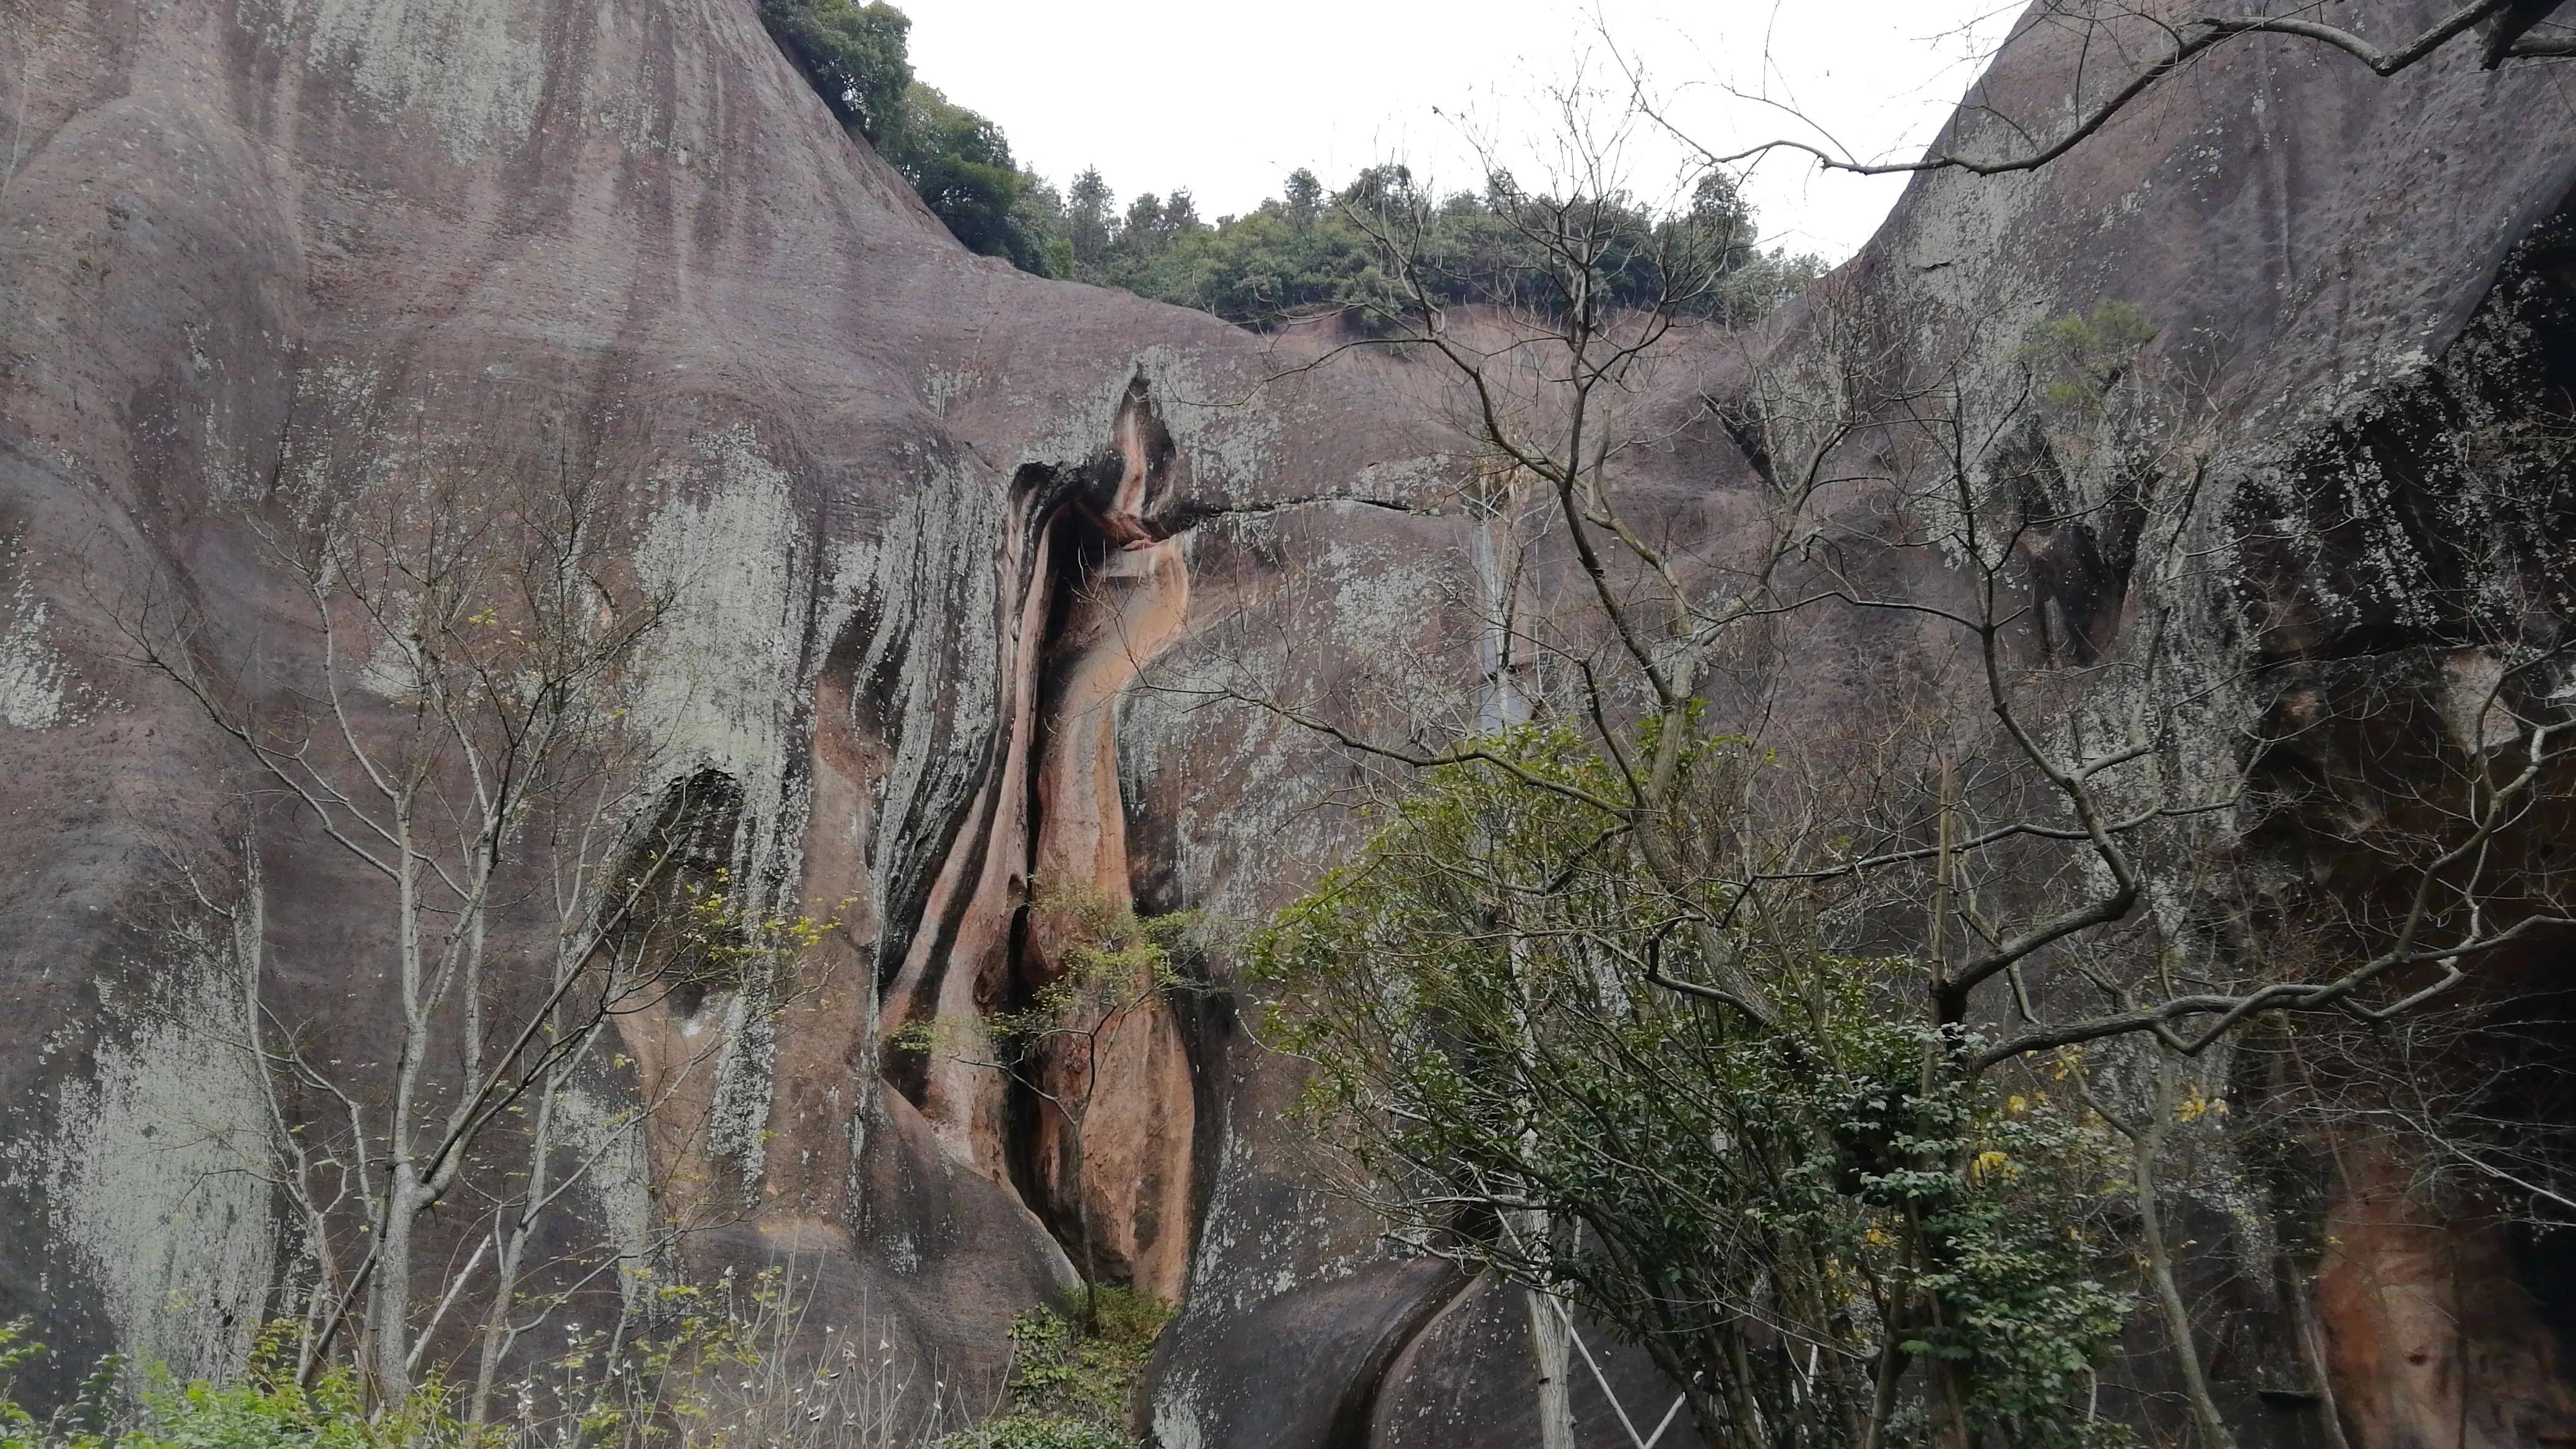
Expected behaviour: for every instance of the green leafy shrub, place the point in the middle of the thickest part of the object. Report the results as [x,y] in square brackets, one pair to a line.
[1071,1382]
[960,165]
[267,1409]
[1304,253]
[1040,1431]
[725,1365]
[722,1366]
[1808,1217]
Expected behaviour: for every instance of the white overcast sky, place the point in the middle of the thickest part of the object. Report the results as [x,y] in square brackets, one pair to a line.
[1227,98]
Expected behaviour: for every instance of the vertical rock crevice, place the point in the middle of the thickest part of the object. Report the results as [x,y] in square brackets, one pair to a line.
[1100,590]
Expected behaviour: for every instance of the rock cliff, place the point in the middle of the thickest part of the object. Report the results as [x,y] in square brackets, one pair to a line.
[938,520]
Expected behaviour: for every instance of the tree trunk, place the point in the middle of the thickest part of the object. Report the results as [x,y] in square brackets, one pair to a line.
[389,1296]
[511,1230]
[1550,1348]
[1886,1377]
[1073,1168]
[2151,1231]
[497,1334]
[1949,1404]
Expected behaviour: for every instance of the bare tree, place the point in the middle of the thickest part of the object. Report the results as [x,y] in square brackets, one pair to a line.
[462,740]
[2131,49]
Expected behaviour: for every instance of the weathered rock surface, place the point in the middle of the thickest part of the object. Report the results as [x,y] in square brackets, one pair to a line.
[2358,286]
[281,246]
[940,517]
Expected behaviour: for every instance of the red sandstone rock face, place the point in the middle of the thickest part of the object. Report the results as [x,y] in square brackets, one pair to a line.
[939,518]
[2432,1338]
[279,245]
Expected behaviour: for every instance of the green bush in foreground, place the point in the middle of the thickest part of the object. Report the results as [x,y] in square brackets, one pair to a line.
[267,1410]
[721,1374]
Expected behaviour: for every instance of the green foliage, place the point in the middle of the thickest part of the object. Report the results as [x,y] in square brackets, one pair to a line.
[1113,960]
[2080,357]
[1039,1431]
[1070,1384]
[265,1410]
[702,1368]
[1776,1210]
[1301,254]
[1101,964]
[855,55]
[960,165]
[725,935]
[1305,254]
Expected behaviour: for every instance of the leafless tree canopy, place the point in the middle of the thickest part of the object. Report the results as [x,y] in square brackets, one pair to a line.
[464,744]
[2122,51]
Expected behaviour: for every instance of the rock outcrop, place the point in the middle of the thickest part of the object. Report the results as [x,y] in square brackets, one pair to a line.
[973,559]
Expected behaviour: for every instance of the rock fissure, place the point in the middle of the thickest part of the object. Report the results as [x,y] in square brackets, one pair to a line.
[1091,1123]
[1191,515]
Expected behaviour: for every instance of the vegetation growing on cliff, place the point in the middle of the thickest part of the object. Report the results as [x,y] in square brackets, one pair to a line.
[1110,967]
[1073,1376]
[856,57]
[265,1409]
[1304,253]
[1309,253]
